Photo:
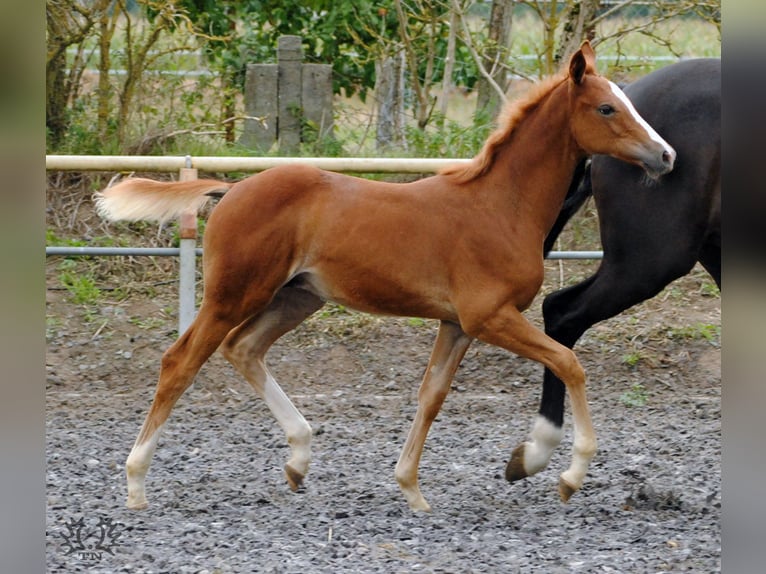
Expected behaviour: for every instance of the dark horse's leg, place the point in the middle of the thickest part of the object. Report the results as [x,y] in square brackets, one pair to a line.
[652,232]
[651,235]
[710,253]
[568,313]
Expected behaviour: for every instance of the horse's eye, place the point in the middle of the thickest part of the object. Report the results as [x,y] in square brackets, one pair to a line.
[605,110]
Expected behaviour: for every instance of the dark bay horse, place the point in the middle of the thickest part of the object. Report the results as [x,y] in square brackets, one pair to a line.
[652,231]
[464,247]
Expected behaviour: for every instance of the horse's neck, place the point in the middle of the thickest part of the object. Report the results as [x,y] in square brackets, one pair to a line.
[533,170]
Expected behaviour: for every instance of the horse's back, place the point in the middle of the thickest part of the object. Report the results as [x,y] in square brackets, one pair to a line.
[684,77]
[680,97]
[284,197]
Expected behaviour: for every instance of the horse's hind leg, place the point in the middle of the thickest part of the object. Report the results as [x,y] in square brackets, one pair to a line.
[180,364]
[449,348]
[710,258]
[246,346]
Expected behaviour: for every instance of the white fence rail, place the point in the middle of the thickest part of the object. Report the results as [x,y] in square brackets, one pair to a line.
[149,163]
[187,168]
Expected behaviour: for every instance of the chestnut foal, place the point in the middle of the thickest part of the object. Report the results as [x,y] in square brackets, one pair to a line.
[464,247]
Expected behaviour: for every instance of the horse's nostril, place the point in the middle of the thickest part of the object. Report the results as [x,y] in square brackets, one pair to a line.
[669,158]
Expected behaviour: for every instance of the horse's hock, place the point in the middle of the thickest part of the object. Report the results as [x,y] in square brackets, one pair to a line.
[292,97]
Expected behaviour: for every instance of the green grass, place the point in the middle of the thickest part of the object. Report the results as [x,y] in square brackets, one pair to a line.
[147,323]
[635,397]
[51,239]
[52,324]
[82,288]
[697,331]
[54,240]
[79,281]
[631,359]
[333,310]
[709,289]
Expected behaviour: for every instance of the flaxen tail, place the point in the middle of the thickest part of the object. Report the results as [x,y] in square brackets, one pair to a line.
[140,199]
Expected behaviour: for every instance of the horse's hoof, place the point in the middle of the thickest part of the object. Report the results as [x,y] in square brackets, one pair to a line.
[514,470]
[137,505]
[566,490]
[419,505]
[294,478]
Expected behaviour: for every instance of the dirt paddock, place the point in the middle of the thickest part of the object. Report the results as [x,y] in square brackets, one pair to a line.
[219,503]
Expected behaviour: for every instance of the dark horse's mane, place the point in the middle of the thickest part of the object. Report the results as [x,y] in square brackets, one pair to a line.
[510,117]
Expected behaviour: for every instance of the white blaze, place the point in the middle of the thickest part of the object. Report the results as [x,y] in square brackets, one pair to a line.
[641,121]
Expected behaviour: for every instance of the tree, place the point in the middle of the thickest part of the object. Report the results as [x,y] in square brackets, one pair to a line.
[74,24]
[68,23]
[495,54]
[579,25]
[162,18]
[567,24]
[425,24]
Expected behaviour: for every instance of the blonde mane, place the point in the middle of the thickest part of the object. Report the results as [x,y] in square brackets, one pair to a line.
[510,117]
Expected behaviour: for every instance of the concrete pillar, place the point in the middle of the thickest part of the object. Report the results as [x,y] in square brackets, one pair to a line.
[261,102]
[289,56]
[317,97]
[286,95]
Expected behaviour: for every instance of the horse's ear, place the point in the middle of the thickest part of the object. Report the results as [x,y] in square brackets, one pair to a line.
[583,62]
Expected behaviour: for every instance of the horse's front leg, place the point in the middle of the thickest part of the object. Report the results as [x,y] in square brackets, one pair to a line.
[449,349]
[533,455]
[509,329]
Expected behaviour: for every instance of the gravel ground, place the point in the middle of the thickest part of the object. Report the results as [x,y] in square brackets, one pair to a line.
[219,503]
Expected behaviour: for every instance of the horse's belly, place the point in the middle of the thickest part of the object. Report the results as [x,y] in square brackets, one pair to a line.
[383,295]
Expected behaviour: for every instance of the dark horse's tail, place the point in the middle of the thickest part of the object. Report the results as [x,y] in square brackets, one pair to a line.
[579,190]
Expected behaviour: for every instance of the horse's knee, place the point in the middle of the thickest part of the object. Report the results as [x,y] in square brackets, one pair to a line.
[567,367]
[173,381]
[229,350]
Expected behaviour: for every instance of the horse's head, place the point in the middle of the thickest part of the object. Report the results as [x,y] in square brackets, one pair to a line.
[604,121]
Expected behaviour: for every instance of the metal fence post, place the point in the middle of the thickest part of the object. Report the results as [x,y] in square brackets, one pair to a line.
[188,256]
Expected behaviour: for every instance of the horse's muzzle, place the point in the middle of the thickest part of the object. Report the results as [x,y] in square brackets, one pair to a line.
[660,163]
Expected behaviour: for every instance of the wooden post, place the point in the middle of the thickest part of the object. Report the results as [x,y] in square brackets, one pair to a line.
[188,258]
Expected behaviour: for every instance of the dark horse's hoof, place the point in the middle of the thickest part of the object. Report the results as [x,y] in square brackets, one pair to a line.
[514,470]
